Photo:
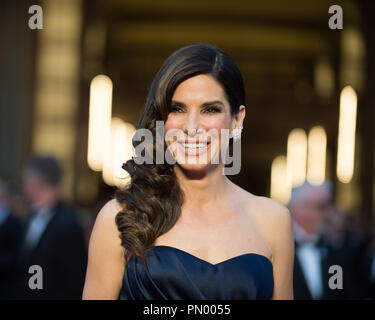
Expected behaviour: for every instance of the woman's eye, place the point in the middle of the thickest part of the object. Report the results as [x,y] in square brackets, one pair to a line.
[175,109]
[212,110]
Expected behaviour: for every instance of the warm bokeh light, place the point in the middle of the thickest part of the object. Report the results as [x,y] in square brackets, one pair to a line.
[296,157]
[316,155]
[346,134]
[99,120]
[324,78]
[280,190]
[119,150]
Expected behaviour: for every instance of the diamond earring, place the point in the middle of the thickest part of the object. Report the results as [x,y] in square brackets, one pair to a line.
[237,132]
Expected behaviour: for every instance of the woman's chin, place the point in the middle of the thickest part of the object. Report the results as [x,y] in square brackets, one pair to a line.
[195,167]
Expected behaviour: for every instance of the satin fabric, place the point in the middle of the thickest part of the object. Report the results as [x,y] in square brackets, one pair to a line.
[169,273]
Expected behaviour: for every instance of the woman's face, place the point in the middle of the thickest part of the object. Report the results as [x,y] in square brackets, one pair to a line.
[199,112]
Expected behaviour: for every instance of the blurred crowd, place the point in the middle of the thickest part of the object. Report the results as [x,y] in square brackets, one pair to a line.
[38,228]
[334,259]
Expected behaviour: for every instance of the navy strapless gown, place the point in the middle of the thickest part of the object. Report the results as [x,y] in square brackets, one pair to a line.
[170,273]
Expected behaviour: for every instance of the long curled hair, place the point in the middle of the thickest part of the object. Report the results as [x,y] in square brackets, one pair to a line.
[152,200]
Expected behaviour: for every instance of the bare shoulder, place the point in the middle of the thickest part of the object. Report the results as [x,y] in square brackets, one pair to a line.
[276,223]
[110,209]
[272,218]
[106,256]
[267,207]
[105,228]
[275,220]
[271,210]
[105,231]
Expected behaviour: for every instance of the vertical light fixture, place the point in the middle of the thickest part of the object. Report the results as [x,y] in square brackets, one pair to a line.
[118,151]
[316,155]
[346,134]
[99,120]
[57,78]
[296,157]
[280,189]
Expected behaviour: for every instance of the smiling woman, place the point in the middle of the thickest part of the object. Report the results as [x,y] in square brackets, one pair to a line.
[184,230]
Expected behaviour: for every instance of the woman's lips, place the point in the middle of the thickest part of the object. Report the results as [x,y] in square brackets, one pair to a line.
[194,148]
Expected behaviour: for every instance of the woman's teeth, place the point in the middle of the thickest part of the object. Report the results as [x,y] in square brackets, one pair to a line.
[194,145]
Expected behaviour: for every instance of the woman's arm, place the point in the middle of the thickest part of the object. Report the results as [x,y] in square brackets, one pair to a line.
[283,254]
[106,261]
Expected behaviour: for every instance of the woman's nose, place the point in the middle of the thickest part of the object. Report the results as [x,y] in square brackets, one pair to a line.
[191,124]
[191,132]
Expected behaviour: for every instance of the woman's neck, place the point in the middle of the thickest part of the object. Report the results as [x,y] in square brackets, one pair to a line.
[202,189]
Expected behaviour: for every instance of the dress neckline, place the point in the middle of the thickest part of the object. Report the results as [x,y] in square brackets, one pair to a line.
[209,263]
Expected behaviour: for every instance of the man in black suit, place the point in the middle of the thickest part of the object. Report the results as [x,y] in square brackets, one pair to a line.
[54,240]
[310,205]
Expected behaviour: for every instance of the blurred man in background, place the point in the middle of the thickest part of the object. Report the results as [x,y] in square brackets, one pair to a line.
[311,207]
[10,237]
[53,238]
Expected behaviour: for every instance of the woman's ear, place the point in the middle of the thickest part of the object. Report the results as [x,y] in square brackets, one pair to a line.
[239,117]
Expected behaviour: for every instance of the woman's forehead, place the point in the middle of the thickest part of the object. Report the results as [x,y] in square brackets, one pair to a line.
[199,89]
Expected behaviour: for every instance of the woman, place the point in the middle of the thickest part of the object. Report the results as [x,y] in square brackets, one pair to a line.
[184,230]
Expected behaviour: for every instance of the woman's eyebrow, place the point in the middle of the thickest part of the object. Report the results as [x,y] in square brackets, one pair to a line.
[209,103]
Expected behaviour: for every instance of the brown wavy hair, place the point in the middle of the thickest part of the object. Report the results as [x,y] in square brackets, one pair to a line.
[152,200]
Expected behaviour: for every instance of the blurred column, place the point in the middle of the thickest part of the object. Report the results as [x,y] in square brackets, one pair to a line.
[57,84]
[367,116]
[349,194]
[16,86]
[348,153]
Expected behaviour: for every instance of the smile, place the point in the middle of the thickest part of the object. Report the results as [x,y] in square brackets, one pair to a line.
[194,145]
[194,148]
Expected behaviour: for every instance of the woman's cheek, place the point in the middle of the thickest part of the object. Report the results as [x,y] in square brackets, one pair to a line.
[172,123]
[218,125]
[172,130]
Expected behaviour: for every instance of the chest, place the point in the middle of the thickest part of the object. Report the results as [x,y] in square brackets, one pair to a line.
[216,239]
